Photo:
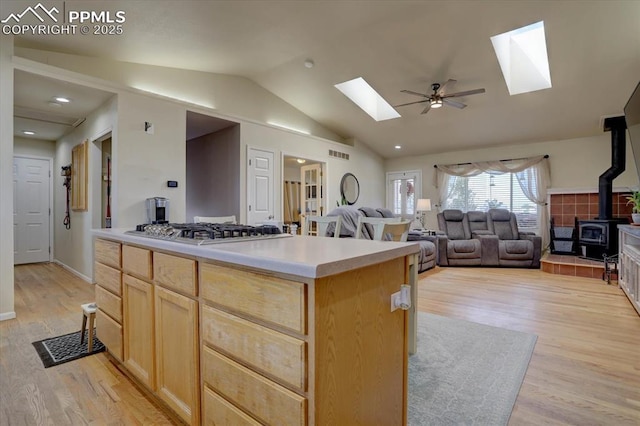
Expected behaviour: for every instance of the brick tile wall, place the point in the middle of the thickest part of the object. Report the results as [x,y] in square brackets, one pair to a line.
[565,207]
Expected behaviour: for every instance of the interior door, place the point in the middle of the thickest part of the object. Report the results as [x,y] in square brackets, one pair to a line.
[31,210]
[260,186]
[311,199]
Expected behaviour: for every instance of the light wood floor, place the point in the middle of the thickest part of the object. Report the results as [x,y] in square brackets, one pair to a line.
[585,369]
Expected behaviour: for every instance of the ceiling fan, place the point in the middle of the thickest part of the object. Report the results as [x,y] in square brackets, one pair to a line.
[439,96]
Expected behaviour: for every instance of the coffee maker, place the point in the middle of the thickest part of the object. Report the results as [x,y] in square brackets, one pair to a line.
[157,210]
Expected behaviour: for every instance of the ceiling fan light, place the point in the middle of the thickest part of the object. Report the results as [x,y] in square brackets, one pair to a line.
[436,103]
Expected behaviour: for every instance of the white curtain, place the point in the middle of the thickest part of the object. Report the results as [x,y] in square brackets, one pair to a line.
[291,202]
[533,176]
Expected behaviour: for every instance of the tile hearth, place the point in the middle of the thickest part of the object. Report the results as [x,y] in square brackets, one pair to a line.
[572,265]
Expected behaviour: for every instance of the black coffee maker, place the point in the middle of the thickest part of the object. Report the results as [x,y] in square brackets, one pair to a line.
[157,210]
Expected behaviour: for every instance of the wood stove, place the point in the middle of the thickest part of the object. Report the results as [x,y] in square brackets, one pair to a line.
[599,237]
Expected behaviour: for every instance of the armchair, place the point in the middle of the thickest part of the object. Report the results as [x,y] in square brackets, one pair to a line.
[515,248]
[457,247]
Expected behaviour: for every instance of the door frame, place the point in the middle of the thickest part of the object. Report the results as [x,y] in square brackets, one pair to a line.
[51,204]
[325,179]
[417,189]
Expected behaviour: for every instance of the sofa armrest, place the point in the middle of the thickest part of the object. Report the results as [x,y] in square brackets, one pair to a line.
[481,232]
[441,244]
[537,247]
[489,248]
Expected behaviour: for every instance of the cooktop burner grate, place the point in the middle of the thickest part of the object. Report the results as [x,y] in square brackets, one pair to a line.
[207,233]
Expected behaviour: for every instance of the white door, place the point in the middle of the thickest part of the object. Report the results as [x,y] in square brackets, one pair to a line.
[311,199]
[403,191]
[31,204]
[260,186]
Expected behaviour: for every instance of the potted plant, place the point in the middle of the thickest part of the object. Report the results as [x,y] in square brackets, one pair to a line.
[634,199]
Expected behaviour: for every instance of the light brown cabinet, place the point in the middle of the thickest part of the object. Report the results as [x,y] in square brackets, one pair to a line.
[176,353]
[138,327]
[108,255]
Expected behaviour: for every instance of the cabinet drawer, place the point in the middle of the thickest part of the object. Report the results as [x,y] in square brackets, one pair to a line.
[269,402]
[136,261]
[218,411]
[107,252]
[108,278]
[176,273]
[267,298]
[110,333]
[109,303]
[273,352]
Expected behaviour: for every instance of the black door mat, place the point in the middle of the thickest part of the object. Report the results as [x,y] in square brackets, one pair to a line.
[65,348]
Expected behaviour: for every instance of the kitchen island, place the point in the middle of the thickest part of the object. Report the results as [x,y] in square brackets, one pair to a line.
[295,330]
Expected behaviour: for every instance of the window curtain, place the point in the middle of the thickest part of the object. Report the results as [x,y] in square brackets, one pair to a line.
[291,202]
[533,176]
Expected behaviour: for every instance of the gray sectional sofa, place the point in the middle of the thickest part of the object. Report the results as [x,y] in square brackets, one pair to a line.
[477,238]
[427,256]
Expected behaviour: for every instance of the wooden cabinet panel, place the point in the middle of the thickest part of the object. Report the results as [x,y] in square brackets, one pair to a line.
[107,252]
[176,321]
[138,327]
[108,278]
[79,176]
[267,298]
[109,303]
[136,261]
[176,273]
[266,400]
[218,411]
[110,333]
[275,353]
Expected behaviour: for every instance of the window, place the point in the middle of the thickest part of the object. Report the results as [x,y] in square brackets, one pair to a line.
[488,190]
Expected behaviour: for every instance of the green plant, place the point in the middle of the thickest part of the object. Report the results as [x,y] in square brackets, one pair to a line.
[634,199]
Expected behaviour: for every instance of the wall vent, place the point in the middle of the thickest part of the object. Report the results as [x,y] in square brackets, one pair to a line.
[338,154]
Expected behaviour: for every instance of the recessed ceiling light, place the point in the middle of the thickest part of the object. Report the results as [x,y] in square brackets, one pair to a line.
[301,160]
[363,95]
[28,132]
[62,99]
[397,147]
[309,63]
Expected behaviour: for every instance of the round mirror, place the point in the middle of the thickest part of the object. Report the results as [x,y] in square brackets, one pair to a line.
[349,188]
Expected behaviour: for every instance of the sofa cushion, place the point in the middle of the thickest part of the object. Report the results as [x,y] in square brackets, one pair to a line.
[463,249]
[477,221]
[349,225]
[500,214]
[386,212]
[453,215]
[370,212]
[516,250]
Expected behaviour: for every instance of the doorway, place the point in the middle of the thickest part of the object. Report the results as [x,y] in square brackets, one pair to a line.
[32,188]
[303,189]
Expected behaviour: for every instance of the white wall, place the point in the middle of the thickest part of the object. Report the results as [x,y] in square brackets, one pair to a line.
[574,163]
[6,179]
[34,147]
[74,247]
[213,168]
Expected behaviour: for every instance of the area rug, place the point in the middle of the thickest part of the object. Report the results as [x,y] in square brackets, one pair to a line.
[65,348]
[465,373]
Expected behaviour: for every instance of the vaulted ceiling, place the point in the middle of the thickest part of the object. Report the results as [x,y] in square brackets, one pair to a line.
[593,49]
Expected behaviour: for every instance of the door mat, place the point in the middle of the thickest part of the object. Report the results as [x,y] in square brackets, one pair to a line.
[65,348]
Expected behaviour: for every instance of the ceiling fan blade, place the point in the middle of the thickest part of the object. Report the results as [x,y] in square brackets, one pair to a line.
[411,92]
[467,93]
[454,104]
[411,103]
[442,88]
[426,109]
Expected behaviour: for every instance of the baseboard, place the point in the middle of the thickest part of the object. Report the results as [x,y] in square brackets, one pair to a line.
[73,271]
[7,316]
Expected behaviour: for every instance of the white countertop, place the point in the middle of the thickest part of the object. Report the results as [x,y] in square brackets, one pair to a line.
[310,257]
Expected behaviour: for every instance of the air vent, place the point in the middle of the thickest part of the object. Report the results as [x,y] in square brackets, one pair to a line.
[338,154]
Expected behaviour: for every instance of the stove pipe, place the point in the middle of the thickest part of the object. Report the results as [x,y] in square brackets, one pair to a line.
[617,126]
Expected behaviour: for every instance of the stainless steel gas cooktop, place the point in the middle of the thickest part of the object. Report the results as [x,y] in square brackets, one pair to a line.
[207,233]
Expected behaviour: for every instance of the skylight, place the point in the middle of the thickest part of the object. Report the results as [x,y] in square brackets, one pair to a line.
[363,95]
[522,54]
